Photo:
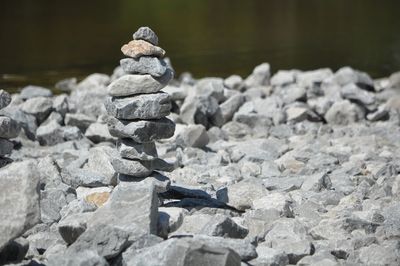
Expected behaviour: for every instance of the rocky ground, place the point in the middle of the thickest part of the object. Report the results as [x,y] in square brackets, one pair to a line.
[295,168]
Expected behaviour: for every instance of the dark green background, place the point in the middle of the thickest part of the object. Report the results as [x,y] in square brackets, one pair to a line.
[42,41]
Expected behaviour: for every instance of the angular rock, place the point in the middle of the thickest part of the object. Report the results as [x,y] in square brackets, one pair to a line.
[51,203]
[234,82]
[211,87]
[173,217]
[146,34]
[73,226]
[40,107]
[34,91]
[6,147]
[79,120]
[142,131]
[27,121]
[183,252]
[98,132]
[99,161]
[385,254]
[317,182]
[270,256]
[128,85]
[60,104]
[5,99]
[130,149]
[144,65]
[201,110]
[50,134]
[343,113]
[230,106]
[259,77]
[275,201]
[134,168]
[144,106]
[138,48]
[14,252]
[283,78]
[78,258]
[85,177]
[20,204]
[224,226]
[353,93]
[192,136]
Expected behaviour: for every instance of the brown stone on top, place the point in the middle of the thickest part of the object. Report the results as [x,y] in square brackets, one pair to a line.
[138,48]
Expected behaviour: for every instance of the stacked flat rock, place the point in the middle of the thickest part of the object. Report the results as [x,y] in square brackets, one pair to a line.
[138,108]
[9,129]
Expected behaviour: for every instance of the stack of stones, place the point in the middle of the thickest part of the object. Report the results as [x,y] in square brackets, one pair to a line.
[137,108]
[9,129]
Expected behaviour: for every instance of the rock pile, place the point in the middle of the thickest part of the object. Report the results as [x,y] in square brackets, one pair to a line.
[138,108]
[9,129]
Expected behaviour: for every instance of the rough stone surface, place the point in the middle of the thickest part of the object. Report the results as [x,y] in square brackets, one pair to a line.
[144,106]
[136,84]
[146,34]
[144,65]
[142,131]
[5,99]
[138,48]
[130,149]
[19,201]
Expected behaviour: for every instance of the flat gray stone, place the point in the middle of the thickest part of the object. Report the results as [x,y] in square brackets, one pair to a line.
[98,132]
[137,84]
[144,65]
[6,147]
[132,150]
[77,258]
[144,106]
[19,204]
[133,168]
[146,34]
[9,128]
[230,106]
[5,99]
[142,131]
[73,226]
[79,120]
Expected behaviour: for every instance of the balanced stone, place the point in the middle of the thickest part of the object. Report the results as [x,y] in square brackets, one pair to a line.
[5,99]
[144,65]
[132,150]
[143,106]
[138,48]
[9,128]
[128,85]
[133,168]
[6,147]
[146,34]
[141,131]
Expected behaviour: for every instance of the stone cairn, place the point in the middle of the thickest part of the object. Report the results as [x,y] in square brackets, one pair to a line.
[9,129]
[137,107]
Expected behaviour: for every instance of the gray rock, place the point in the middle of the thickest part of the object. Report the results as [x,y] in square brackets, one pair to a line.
[72,133]
[385,254]
[68,84]
[5,99]
[142,131]
[51,203]
[14,252]
[234,82]
[133,207]
[79,120]
[132,150]
[192,136]
[144,106]
[343,113]
[259,77]
[6,147]
[60,104]
[171,217]
[280,202]
[34,91]
[353,93]
[211,87]
[183,252]
[50,134]
[381,114]
[98,132]
[144,65]
[99,161]
[146,34]
[230,106]
[40,107]
[309,79]
[134,168]
[224,226]
[317,182]
[201,110]
[27,121]
[73,226]
[137,84]
[85,177]
[283,78]
[347,75]
[269,256]
[20,205]
[78,258]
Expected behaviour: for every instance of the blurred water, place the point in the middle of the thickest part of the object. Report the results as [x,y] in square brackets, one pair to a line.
[43,41]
